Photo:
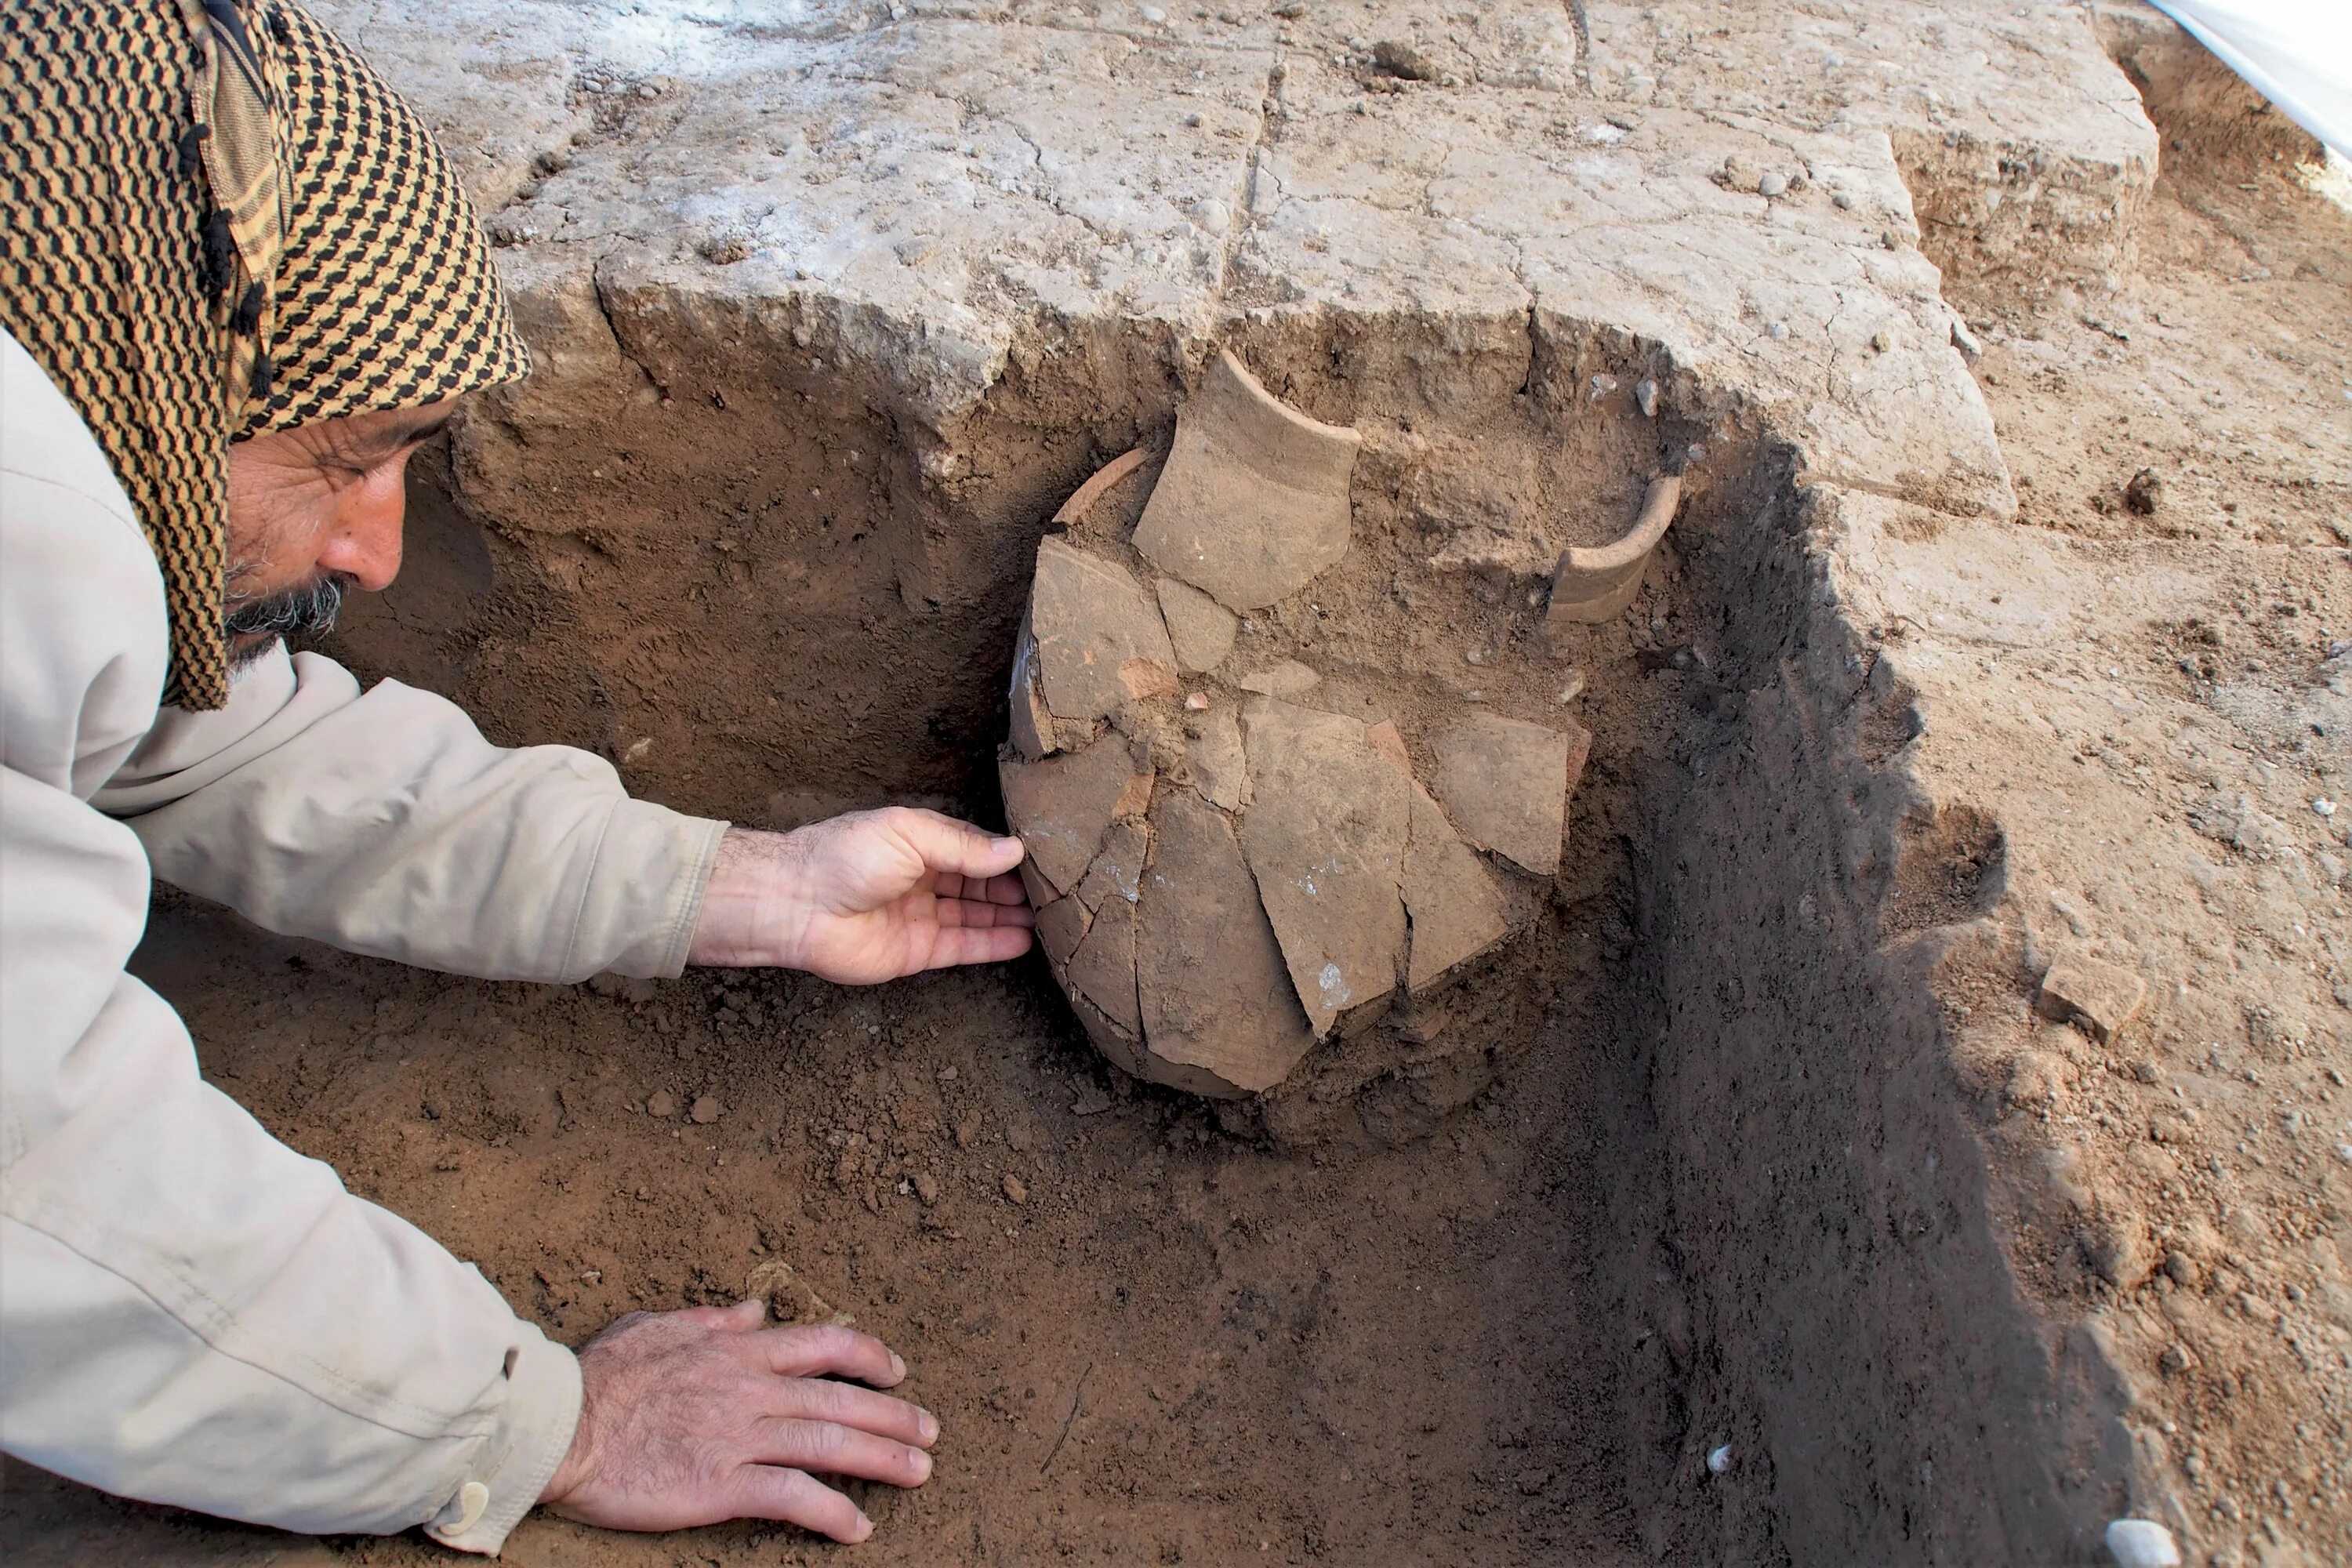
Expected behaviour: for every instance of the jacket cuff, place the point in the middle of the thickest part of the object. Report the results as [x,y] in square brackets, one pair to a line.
[534,1433]
[645,893]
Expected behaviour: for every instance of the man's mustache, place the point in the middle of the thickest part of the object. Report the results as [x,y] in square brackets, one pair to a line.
[307,611]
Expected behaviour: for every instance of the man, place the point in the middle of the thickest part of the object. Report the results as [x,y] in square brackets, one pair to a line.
[239,287]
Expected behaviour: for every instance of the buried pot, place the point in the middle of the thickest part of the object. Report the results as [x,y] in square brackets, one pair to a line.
[1244,861]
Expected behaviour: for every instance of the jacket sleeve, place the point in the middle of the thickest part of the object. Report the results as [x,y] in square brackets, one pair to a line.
[383,823]
[190,1312]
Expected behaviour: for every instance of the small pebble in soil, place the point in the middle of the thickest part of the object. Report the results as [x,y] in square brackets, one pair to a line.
[2141,1543]
[1718,1460]
[661,1103]
[1573,687]
[706,1110]
[1772,185]
[2325,807]
[927,1187]
[947,1075]
[1015,1190]
[1645,395]
[1777,330]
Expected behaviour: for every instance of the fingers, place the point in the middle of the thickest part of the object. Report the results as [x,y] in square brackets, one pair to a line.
[1005,890]
[764,1492]
[836,1450]
[828,1349]
[954,848]
[965,912]
[977,944]
[847,1404]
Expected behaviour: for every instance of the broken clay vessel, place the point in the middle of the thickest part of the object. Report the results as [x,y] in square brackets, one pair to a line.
[1253,501]
[1598,583]
[1233,862]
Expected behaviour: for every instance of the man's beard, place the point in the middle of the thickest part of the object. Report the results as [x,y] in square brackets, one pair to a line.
[307,611]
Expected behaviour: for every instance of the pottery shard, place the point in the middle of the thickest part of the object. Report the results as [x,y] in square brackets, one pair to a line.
[1100,641]
[1253,502]
[1599,582]
[1061,926]
[1457,911]
[1032,724]
[1287,678]
[1103,969]
[1384,739]
[1117,871]
[1201,629]
[1219,1013]
[1096,494]
[1215,757]
[1505,784]
[1326,838]
[1060,807]
[2100,998]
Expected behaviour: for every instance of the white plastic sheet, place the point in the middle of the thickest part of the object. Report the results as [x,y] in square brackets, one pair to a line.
[2297,53]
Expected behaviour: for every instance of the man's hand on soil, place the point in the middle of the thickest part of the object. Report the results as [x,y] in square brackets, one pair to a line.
[694,1417]
[864,898]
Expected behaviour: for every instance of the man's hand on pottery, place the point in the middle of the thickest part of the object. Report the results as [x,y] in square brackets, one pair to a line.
[863,898]
[699,1417]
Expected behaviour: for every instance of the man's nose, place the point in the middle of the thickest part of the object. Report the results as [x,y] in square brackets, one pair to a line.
[366,544]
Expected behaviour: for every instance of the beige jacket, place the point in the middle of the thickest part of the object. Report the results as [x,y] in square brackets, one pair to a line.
[190,1312]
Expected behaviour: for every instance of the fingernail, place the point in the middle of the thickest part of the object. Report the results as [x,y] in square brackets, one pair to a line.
[864,1527]
[1008,844]
[929,1426]
[922,1466]
[898,1366]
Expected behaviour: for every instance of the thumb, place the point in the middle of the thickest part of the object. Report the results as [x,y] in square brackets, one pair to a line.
[946,844]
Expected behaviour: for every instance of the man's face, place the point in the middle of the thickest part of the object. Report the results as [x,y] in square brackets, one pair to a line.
[313,511]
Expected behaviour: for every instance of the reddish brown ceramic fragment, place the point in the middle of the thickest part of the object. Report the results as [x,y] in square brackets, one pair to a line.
[1253,502]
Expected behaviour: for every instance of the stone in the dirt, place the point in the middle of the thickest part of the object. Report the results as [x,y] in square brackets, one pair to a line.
[1060,807]
[706,1109]
[1598,583]
[1219,771]
[2099,998]
[1201,629]
[1117,871]
[927,1187]
[1455,909]
[1061,926]
[661,1103]
[1253,502]
[1287,678]
[1100,641]
[1103,969]
[1384,739]
[1016,1190]
[1032,722]
[1505,784]
[2142,1543]
[1219,1013]
[1325,836]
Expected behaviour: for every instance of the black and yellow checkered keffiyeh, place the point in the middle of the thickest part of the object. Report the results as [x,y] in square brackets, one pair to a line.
[216,220]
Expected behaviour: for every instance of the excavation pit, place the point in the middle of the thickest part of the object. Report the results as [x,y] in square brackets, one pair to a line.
[1733,1208]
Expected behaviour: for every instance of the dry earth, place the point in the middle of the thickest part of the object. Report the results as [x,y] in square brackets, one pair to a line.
[1931,690]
